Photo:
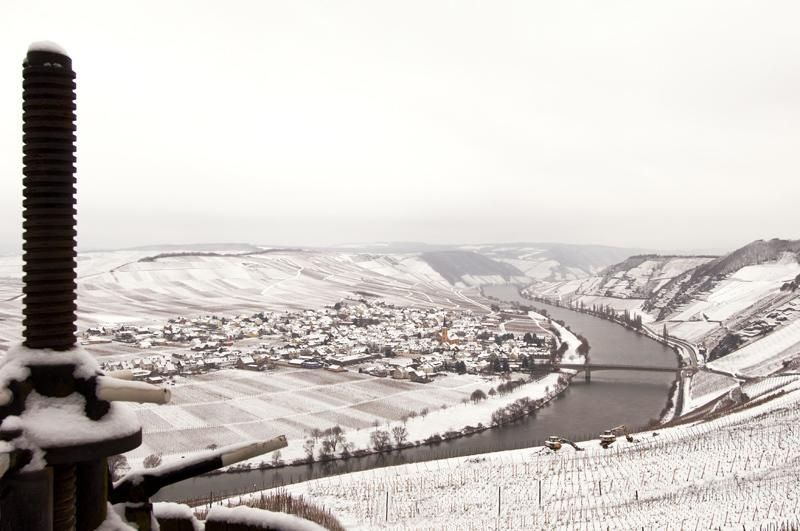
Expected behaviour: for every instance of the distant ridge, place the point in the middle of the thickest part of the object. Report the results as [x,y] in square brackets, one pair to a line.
[455,265]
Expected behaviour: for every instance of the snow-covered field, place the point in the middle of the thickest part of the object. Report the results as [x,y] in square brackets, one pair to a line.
[705,387]
[230,406]
[736,472]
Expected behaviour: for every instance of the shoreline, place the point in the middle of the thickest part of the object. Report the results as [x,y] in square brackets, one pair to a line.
[673,406]
[467,431]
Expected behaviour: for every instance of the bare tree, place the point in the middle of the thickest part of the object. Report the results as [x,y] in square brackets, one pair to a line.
[276,458]
[380,440]
[334,437]
[477,395]
[400,434]
[308,448]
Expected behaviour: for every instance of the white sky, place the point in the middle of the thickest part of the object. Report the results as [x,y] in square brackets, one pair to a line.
[670,124]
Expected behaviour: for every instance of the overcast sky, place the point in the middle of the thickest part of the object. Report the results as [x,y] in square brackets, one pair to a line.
[670,124]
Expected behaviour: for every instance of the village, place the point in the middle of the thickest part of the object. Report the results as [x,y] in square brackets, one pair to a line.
[366,336]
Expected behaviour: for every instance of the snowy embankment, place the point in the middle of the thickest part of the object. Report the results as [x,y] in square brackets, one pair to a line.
[440,421]
[425,410]
[736,471]
[564,336]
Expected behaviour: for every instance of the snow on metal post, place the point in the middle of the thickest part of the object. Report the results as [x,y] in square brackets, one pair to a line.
[49,198]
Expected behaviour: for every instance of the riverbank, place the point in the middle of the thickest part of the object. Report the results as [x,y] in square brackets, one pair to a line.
[518,397]
[684,350]
[675,398]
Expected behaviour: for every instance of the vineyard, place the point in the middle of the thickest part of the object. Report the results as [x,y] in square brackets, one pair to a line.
[233,405]
[737,471]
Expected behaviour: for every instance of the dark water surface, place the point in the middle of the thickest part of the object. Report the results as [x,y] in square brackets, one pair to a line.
[582,411]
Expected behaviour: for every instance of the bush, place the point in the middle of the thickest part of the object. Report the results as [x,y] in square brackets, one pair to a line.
[433,439]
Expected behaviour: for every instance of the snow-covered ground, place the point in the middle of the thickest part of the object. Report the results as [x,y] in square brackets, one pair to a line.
[230,406]
[740,291]
[705,387]
[565,336]
[735,472]
[765,355]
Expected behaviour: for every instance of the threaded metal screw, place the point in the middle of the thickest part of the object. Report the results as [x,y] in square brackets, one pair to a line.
[49,201]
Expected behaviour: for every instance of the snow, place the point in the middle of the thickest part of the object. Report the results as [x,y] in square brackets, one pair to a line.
[259,518]
[14,364]
[571,355]
[740,291]
[765,355]
[737,471]
[705,387]
[234,405]
[176,511]
[113,521]
[44,418]
[692,331]
[47,46]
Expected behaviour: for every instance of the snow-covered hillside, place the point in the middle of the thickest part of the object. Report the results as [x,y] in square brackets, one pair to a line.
[555,262]
[626,285]
[734,472]
[148,284]
[721,304]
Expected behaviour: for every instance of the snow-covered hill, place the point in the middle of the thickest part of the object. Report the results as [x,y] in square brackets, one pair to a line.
[692,284]
[626,285]
[148,284]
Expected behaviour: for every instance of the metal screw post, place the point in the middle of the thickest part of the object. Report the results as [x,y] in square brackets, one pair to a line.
[49,200]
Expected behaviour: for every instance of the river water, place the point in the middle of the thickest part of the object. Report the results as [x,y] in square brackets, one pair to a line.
[581,412]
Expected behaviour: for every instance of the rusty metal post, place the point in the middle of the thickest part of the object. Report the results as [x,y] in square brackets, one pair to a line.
[49,200]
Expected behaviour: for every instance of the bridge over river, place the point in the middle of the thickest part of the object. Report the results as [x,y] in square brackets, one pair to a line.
[587,368]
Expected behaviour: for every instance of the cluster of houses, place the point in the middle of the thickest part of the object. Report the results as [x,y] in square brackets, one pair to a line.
[366,335]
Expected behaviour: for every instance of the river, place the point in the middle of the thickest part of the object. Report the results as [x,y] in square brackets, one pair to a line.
[581,412]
